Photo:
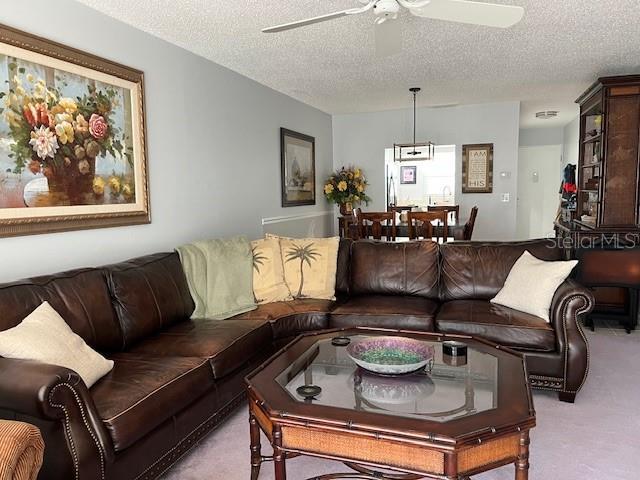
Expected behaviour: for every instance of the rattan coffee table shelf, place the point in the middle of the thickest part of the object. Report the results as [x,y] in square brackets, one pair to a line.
[457,420]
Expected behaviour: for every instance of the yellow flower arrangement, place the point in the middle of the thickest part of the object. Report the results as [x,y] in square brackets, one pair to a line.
[64,131]
[49,130]
[346,185]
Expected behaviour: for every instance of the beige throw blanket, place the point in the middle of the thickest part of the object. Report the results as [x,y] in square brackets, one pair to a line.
[220,275]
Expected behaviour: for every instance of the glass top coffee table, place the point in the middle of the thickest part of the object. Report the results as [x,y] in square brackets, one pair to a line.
[456,417]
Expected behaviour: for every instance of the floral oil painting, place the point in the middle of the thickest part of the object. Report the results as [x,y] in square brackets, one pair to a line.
[71,139]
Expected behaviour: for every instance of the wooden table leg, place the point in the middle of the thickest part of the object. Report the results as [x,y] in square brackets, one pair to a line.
[522,464]
[279,456]
[256,452]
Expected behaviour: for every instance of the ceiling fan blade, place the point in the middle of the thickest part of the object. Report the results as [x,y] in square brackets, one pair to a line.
[388,38]
[476,13]
[303,23]
[322,18]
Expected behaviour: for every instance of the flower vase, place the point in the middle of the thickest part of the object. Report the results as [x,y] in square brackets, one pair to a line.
[346,209]
[69,181]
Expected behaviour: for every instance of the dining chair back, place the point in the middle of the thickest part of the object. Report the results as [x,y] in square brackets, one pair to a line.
[452,210]
[376,225]
[468,227]
[400,210]
[421,225]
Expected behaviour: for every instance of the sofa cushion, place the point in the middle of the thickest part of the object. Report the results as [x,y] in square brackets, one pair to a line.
[310,266]
[149,293]
[268,272]
[227,344]
[45,337]
[413,313]
[294,317]
[386,268]
[80,297]
[520,293]
[141,392]
[478,270]
[343,270]
[496,323]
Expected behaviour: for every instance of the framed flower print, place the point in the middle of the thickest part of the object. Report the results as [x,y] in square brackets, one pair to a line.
[72,141]
[408,175]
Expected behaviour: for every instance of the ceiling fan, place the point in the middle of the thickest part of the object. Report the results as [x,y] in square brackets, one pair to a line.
[388,33]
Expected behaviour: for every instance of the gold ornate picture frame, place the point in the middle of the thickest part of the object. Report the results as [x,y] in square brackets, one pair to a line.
[477,168]
[72,139]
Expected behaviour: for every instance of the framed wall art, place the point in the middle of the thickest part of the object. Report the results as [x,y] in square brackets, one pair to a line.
[72,139]
[477,168]
[298,168]
[408,175]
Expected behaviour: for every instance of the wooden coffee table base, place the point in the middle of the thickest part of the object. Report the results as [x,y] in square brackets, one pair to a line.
[458,465]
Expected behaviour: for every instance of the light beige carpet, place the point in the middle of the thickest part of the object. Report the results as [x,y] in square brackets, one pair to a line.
[594,439]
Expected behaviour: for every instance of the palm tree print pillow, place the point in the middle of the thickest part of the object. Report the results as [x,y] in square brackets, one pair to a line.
[268,273]
[310,266]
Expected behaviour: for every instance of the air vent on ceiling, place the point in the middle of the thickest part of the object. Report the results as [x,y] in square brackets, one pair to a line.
[547,114]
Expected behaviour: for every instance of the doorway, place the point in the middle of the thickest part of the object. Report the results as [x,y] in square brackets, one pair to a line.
[420,183]
[539,175]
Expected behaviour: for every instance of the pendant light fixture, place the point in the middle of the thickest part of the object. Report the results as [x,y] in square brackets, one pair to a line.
[407,152]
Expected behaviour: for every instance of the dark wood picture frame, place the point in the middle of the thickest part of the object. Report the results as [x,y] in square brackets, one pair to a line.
[477,168]
[75,61]
[298,182]
[406,168]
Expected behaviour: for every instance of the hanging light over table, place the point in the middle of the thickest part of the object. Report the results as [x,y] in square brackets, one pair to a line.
[407,152]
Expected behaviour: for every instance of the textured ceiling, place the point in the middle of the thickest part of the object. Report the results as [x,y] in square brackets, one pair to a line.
[545,61]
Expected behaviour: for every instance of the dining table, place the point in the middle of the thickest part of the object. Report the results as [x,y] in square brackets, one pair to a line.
[455,229]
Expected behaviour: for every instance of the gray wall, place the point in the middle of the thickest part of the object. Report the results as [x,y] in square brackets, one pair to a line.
[571,136]
[535,137]
[213,145]
[361,139]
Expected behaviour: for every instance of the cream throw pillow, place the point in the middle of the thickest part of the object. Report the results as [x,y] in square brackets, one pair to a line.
[268,272]
[310,266]
[531,284]
[44,336]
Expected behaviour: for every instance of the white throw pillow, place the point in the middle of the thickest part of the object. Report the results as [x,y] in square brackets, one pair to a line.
[531,284]
[44,336]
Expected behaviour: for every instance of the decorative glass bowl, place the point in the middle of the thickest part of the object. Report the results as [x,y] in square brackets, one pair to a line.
[392,392]
[390,355]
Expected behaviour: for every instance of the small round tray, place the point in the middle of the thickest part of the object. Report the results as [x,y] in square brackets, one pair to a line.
[340,341]
[308,391]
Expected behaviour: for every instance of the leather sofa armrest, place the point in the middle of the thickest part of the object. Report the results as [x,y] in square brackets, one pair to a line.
[570,303]
[54,393]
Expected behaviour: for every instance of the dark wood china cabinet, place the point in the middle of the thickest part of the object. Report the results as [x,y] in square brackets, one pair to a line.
[607,215]
[608,160]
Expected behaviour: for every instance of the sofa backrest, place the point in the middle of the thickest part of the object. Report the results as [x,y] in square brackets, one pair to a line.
[343,270]
[80,297]
[403,268]
[478,270]
[148,293]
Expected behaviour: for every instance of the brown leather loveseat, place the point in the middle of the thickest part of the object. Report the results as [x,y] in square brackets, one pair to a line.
[175,379]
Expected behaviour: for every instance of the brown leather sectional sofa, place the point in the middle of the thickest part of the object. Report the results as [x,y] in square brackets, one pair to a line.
[175,379]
